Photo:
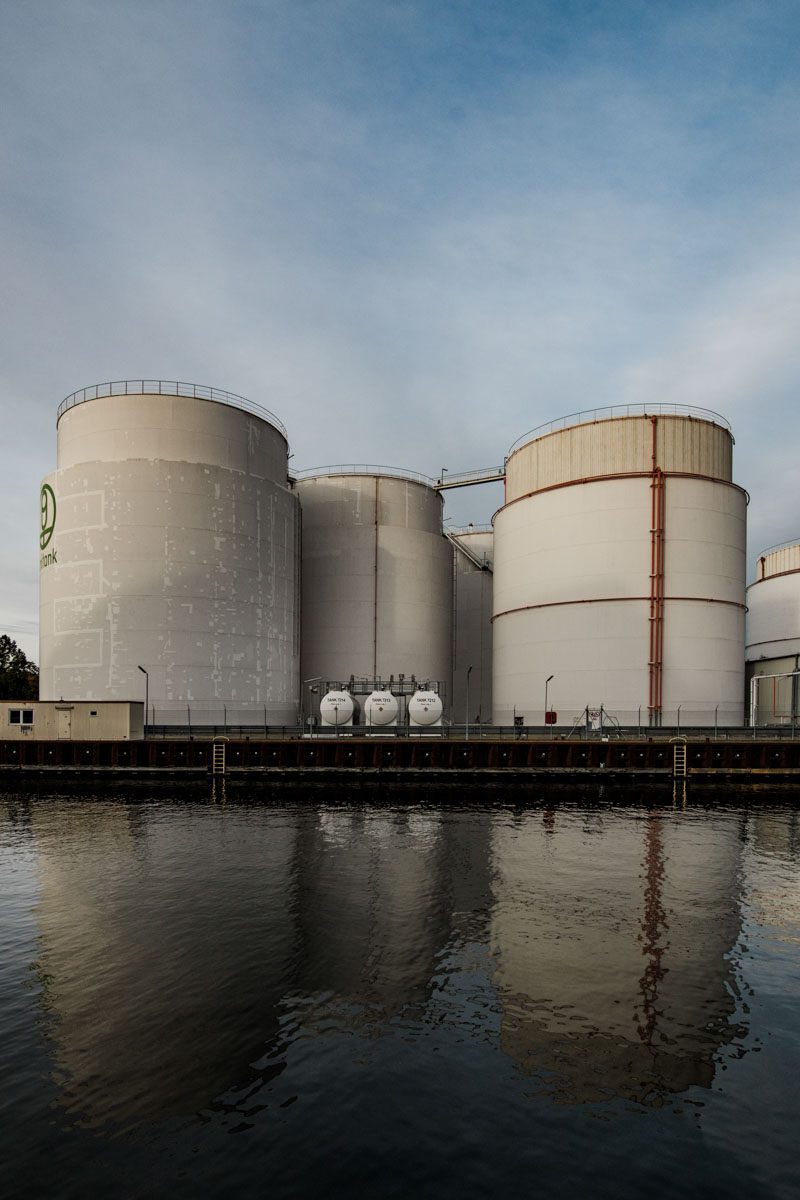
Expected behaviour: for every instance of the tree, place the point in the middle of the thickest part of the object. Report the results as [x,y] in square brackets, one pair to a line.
[19,677]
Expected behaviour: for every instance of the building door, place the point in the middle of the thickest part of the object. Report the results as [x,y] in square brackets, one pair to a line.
[64,723]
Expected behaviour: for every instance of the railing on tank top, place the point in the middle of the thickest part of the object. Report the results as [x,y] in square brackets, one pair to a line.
[445,481]
[609,411]
[370,469]
[165,387]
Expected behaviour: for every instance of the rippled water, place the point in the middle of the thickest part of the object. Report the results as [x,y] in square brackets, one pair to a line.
[406,996]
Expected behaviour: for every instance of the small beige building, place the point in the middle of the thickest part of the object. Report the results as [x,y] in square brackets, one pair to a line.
[72,720]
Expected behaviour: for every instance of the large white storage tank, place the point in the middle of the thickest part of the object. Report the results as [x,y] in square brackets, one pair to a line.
[377,577]
[619,571]
[773,635]
[170,542]
[473,558]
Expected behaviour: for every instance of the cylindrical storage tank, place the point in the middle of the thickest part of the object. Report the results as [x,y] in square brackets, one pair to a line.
[619,572]
[377,577]
[337,708]
[380,709]
[170,543]
[424,709]
[473,559]
[772,636]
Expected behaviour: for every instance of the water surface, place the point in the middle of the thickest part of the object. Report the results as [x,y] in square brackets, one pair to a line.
[417,994]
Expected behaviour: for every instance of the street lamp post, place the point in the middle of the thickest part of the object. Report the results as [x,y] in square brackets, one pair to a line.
[546,685]
[466,709]
[146,696]
[311,690]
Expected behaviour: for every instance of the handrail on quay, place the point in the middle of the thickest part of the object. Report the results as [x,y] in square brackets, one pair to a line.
[474,732]
[164,387]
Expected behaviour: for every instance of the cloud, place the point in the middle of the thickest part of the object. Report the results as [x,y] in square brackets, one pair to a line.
[413,230]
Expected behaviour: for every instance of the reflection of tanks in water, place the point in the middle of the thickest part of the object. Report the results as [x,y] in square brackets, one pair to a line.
[369,882]
[384,893]
[153,957]
[773,838]
[776,833]
[612,952]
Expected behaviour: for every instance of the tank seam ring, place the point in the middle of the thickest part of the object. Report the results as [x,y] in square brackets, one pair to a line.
[552,487]
[617,600]
[777,575]
[772,641]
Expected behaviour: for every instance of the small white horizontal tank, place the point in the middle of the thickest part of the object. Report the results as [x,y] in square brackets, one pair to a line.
[336,708]
[381,709]
[424,709]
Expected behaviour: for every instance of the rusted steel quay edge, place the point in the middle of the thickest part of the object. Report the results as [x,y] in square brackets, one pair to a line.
[404,759]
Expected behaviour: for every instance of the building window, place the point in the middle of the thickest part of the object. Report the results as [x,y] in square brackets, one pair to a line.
[93,712]
[20,716]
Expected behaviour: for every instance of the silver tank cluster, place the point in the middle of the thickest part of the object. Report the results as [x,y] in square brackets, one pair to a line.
[611,580]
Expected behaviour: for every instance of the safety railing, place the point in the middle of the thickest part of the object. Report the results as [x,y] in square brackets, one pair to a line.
[610,411]
[456,479]
[365,469]
[166,387]
[780,546]
[474,731]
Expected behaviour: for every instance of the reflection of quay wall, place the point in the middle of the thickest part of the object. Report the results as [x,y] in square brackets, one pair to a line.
[611,950]
[161,969]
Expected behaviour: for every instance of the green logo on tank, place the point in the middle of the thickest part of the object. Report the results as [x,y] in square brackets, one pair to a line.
[48,500]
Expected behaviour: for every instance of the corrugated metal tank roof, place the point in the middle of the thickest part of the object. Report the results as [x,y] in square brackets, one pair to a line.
[620,446]
[778,561]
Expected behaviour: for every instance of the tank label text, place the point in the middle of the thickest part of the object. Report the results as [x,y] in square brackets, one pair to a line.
[48,515]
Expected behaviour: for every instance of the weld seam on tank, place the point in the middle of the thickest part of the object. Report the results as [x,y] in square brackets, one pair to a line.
[619,600]
[773,641]
[587,479]
[777,575]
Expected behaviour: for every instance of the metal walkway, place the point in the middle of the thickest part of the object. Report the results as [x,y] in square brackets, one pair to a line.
[470,478]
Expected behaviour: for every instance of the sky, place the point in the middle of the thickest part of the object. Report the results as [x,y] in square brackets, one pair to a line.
[413,229]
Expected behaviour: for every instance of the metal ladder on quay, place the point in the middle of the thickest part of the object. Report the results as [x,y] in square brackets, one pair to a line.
[218,756]
[679,772]
[678,758]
